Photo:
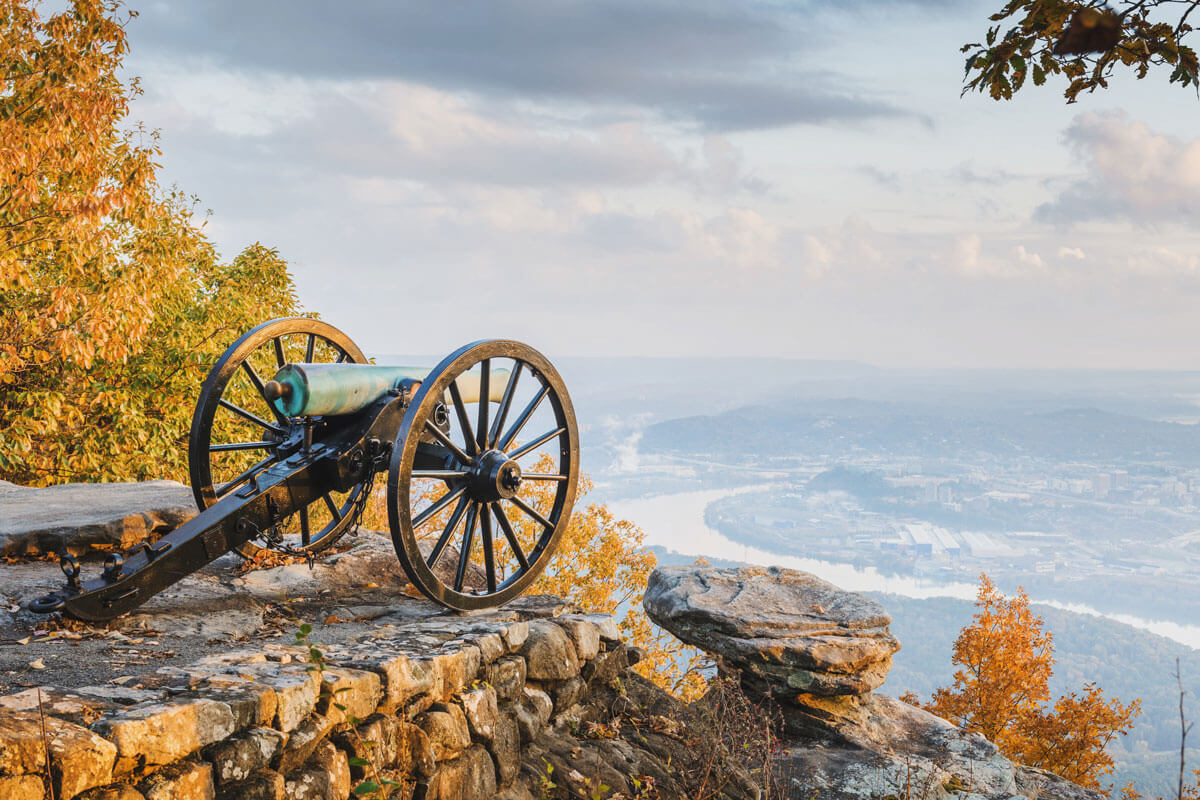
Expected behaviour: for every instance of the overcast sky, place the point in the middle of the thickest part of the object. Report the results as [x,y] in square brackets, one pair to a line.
[794,179]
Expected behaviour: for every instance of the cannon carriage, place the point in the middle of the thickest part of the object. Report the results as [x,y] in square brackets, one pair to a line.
[292,428]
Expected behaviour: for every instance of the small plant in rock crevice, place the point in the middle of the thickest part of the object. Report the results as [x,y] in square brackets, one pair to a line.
[376,787]
[546,783]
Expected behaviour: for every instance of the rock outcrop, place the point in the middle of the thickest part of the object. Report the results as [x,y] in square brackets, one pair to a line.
[816,653]
[78,517]
[785,632]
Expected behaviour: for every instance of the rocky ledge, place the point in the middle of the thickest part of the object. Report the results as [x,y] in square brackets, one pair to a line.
[816,653]
[79,517]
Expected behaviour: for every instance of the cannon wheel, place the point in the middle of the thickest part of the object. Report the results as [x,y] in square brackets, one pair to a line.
[232,403]
[472,472]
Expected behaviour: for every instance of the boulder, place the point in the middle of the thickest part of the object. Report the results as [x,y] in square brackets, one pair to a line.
[78,517]
[549,653]
[446,726]
[788,633]
[507,677]
[185,780]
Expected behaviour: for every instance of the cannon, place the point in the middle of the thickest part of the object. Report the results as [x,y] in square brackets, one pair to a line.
[293,426]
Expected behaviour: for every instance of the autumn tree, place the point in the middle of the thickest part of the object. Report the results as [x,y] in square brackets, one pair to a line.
[1002,690]
[1084,43]
[113,304]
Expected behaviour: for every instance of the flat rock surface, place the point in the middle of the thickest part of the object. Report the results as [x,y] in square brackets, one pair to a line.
[785,630]
[357,587]
[80,517]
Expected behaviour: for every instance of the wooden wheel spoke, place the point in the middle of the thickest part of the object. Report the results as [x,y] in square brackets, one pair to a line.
[505,404]
[521,420]
[280,359]
[489,560]
[444,474]
[506,527]
[460,411]
[536,443]
[231,446]
[531,511]
[464,555]
[436,506]
[305,533]
[342,356]
[332,506]
[447,532]
[262,392]
[542,476]
[252,417]
[462,457]
[481,430]
[309,348]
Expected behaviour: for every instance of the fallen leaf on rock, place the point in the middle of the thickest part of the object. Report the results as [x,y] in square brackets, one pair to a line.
[23,641]
[37,664]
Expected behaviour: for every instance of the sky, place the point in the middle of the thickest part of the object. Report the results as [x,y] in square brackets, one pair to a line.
[681,178]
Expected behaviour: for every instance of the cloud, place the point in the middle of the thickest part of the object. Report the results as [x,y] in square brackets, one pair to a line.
[726,66]
[1071,252]
[966,173]
[965,254]
[1130,173]
[1029,259]
[394,130]
[969,258]
[1164,262]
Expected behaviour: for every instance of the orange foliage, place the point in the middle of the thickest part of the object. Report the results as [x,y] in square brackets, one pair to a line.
[1002,691]
[112,303]
[74,191]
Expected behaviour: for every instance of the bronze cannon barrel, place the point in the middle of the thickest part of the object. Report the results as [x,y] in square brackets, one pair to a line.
[328,389]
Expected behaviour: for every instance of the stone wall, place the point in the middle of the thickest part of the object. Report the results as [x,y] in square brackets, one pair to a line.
[446,707]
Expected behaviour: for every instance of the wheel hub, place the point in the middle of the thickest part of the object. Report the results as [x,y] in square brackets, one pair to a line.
[494,476]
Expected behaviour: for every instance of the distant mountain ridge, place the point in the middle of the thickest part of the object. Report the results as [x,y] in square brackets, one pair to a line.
[825,426]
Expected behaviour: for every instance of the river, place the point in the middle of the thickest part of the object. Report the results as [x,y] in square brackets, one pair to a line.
[676,522]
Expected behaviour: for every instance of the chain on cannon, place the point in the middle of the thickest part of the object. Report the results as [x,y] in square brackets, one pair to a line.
[288,463]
